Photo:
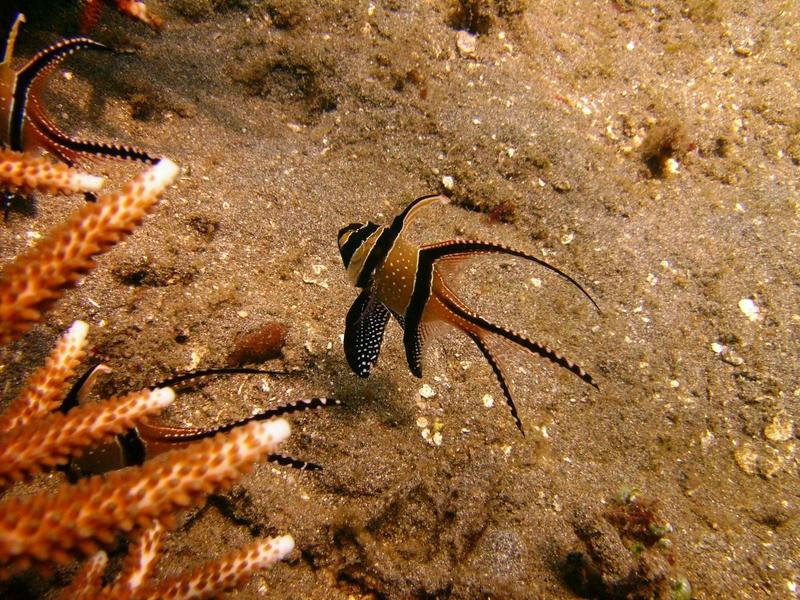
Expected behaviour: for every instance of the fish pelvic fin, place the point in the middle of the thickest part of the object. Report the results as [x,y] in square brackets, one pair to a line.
[494,362]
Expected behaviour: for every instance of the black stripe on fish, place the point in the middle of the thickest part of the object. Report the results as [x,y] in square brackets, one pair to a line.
[358,234]
[44,60]
[388,237]
[412,335]
[133,449]
[363,332]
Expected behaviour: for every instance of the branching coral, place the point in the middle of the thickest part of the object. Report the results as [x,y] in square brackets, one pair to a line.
[32,282]
[27,173]
[135,9]
[45,529]
[202,582]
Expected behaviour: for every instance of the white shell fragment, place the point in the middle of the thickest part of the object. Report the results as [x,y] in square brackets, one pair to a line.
[466,43]
[749,308]
[488,401]
[426,392]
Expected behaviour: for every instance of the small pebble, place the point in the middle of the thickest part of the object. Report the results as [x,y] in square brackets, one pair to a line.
[488,401]
[749,308]
[746,458]
[729,356]
[426,392]
[671,167]
[466,43]
[562,186]
[780,429]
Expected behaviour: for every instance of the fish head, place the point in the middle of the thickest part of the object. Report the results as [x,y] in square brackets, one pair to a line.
[355,242]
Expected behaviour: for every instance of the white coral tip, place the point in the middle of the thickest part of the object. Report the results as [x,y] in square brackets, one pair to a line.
[272,432]
[90,183]
[282,546]
[164,172]
[162,397]
[78,331]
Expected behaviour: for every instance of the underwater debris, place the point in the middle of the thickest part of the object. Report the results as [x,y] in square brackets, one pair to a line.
[625,552]
[664,146]
[263,343]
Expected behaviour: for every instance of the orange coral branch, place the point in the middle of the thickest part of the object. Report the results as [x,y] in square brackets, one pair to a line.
[135,9]
[223,574]
[49,441]
[139,563]
[88,582]
[32,282]
[80,518]
[45,389]
[28,173]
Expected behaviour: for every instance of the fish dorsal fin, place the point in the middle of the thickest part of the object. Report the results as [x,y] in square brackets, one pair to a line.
[8,51]
[388,236]
[455,251]
[412,211]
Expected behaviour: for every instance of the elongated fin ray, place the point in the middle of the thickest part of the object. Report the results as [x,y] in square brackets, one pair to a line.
[40,63]
[498,373]
[191,375]
[464,249]
[363,332]
[525,342]
[68,147]
[161,433]
[295,463]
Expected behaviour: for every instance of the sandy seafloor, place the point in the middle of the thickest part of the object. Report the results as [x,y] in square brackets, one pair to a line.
[292,119]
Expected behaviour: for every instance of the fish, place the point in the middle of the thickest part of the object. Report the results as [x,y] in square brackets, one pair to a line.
[24,124]
[406,281]
[151,437]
